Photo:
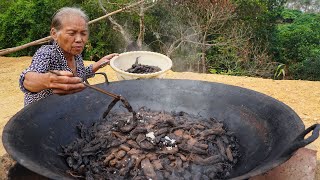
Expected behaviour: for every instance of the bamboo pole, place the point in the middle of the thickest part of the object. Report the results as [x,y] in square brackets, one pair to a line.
[48,38]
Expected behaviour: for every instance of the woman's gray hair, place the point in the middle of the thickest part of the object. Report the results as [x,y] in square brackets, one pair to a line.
[64,12]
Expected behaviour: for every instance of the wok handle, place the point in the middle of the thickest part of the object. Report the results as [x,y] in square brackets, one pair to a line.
[300,142]
[102,73]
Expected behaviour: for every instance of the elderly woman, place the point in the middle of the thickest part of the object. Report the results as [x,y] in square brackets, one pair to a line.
[69,30]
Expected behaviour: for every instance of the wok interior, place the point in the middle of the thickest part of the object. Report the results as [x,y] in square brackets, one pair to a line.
[264,126]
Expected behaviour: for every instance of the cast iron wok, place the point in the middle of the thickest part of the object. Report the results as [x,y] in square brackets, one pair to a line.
[268,130]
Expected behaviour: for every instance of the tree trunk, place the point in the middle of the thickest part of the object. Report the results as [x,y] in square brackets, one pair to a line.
[203,52]
[142,27]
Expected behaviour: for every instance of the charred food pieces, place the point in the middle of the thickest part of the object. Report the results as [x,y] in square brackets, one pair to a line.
[157,145]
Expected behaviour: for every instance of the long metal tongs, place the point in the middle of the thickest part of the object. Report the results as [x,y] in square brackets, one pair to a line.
[115,96]
[86,83]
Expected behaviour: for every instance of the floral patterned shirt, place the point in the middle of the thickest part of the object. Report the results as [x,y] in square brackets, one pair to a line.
[50,57]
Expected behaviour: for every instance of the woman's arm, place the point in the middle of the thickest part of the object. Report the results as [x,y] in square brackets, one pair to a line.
[64,83]
[103,62]
[36,82]
[37,77]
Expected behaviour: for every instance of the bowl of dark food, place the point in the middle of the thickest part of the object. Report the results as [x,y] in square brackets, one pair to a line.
[158,129]
[140,65]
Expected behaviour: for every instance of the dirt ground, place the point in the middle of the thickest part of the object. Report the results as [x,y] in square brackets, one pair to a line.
[302,96]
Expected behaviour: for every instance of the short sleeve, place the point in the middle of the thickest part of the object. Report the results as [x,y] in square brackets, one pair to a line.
[40,64]
[21,80]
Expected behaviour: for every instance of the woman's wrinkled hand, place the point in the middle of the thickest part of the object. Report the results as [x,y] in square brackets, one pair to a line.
[64,82]
[104,61]
[110,56]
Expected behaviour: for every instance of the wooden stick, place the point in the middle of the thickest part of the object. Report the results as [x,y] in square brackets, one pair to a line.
[115,12]
[48,38]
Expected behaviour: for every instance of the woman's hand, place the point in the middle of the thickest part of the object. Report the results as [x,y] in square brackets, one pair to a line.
[110,56]
[61,82]
[104,61]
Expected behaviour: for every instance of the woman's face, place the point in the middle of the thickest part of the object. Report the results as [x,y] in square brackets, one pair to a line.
[73,35]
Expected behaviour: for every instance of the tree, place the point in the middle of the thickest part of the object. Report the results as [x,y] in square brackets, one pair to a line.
[261,16]
[194,25]
[25,21]
[298,44]
[212,34]
[122,28]
[209,18]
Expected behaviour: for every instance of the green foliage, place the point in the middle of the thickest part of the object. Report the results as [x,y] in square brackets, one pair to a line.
[15,22]
[264,31]
[256,21]
[298,43]
[25,21]
[288,16]
[261,16]
[280,71]
[224,60]
[308,69]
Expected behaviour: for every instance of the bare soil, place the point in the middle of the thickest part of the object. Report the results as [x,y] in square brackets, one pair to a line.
[302,96]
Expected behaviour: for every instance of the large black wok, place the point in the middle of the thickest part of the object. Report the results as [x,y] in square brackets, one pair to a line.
[268,130]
